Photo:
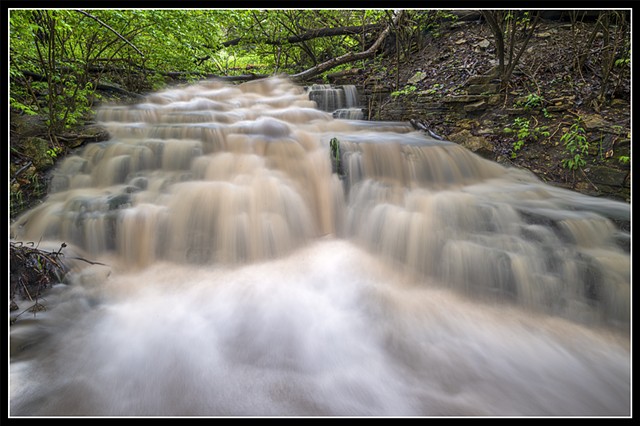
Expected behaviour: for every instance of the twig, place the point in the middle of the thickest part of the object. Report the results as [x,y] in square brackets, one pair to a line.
[26,290]
[22,169]
[558,128]
[88,261]
[589,180]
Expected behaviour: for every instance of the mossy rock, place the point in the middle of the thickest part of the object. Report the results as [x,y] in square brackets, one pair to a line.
[37,150]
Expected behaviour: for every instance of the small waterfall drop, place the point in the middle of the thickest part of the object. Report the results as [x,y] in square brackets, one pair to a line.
[341,101]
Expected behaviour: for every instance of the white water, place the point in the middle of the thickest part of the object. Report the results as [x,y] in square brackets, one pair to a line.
[247,279]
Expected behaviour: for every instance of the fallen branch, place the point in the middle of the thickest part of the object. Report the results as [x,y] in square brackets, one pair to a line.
[22,169]
[348,57]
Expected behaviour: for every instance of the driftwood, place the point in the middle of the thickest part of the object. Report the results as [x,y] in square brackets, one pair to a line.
[32,271]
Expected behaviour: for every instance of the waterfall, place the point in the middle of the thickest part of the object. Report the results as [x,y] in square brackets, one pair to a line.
[253,255]
[342,101]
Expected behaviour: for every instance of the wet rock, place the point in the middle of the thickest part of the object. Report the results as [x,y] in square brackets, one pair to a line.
[477,144]
[607,175]
[622,148]
[86,134]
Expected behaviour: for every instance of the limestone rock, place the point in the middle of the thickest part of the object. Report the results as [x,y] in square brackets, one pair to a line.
[417,77]
[473,143]
[477,89]
[476,106]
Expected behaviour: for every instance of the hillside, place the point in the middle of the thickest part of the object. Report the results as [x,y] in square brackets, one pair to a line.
[545,92]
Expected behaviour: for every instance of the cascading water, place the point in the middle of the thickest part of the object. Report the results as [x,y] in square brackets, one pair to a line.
[341,101]
[258,257]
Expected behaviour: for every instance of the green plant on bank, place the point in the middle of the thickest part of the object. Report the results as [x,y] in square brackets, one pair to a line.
[525,131]
[17,198]
[624,61]
[533,100]
[54,152]
[624,159]
[434,89]
[432,21]
[24,189]
[409,88]
[575,146]
[617,128]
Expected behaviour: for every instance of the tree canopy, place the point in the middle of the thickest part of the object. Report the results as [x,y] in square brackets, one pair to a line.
[68,53]
[60,57]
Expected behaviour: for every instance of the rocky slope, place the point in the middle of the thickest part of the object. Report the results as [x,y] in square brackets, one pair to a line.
[446,88]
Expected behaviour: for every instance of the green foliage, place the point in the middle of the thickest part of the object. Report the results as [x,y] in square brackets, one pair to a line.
[622,62]
[435,88]
[16,199]
[54,152]
[407,89]
[532,101]
[525,132]
[334,144]
[575,146]
[19,106]
[48,70]
[431,20]
[26,187]
[624,159]
[270,37]
[521,18]
[69,48]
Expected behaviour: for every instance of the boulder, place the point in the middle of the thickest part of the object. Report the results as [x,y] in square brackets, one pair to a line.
[476,144]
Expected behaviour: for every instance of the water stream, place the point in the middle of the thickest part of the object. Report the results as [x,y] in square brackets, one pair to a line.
[259,257]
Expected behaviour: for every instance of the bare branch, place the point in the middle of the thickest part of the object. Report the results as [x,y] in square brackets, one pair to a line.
[110,29]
